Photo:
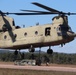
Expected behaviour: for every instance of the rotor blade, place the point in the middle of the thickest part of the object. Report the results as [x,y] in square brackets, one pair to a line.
[7,25]
[32,11]
[44,13]
[45,7]
[70,13]
[38,13]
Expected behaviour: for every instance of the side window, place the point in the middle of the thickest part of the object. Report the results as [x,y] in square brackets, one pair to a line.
[58,28]
[13,23]
[47,31]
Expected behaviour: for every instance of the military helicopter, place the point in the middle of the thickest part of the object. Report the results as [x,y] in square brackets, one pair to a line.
[16,38]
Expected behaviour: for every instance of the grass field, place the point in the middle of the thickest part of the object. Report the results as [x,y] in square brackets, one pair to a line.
[32,72]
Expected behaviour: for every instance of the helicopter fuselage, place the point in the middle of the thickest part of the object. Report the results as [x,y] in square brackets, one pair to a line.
[36,36]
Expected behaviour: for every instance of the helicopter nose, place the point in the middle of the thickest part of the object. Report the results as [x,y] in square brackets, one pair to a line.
[71,34]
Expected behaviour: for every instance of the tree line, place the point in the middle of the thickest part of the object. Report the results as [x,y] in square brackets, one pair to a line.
[57,58]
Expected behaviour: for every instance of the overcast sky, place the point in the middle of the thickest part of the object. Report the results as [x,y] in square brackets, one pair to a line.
[62,5]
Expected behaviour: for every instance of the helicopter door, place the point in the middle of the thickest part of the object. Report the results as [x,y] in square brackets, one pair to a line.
[47,31]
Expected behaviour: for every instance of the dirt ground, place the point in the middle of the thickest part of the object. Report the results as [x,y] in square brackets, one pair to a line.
[32,72]
[9,71]
[6,63]
[58,65]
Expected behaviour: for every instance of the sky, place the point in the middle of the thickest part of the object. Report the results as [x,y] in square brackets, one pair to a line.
[61,5]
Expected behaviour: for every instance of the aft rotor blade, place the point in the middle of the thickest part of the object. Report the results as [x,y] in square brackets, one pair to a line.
[45,7]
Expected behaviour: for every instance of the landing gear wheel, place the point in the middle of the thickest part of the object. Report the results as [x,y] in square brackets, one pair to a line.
[32,50]
[16,52]
[49,51]
[15,55]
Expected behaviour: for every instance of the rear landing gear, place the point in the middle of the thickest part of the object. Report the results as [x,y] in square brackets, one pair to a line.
[49,51]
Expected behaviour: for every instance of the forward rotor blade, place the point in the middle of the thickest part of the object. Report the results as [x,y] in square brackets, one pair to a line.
[45,7]
[43,13]
[71,13]
[32,11]
[38,13]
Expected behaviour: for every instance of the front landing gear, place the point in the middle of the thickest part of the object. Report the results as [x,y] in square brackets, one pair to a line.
[49,51]
[18,55]
[16,52]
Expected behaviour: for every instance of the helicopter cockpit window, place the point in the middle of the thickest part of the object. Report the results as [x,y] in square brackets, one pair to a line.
[65,28]
[58,29]
[47,31]
[70,29]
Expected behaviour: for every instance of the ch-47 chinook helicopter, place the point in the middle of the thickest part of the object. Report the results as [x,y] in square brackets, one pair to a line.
[56,33]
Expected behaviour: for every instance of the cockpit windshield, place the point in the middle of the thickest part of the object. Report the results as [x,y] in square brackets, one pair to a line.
[65,28]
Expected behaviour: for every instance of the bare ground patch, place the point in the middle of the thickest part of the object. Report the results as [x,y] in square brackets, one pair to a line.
[32,72]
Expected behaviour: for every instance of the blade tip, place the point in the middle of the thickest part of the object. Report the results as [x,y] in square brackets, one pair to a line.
[34,2]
